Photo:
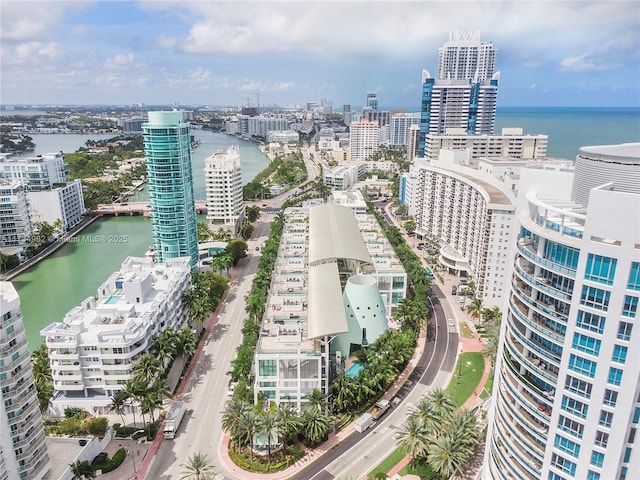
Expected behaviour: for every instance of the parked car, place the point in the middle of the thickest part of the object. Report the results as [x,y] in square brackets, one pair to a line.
[451,322]
[454,290]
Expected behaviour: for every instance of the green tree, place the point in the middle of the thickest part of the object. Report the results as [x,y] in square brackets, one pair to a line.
[344,392]
[442,402]
[315,425]
[447,455]
[317,399]
[475,307]
[186,341]
[288,421]
[268,426]
[118,404]
[237,248]
[197,467]
[82,470]
[253,212]
[232,417]
[204,232]
[248,429]
[166,346]
[413,436]
[146,369]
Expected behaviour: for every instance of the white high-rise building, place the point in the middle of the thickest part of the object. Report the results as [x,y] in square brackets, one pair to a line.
[38,173]
[399,125]
[465,57]
[15,218]
[223,183]
[93,349]
[567,390]
[64,203]
[364,139]
[23,452]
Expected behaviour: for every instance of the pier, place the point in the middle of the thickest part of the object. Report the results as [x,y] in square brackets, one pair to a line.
[136,208]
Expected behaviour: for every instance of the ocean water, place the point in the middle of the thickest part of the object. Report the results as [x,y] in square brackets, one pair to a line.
[569,129]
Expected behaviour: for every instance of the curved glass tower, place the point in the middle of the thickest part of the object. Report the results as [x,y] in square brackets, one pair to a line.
[167,149]
[567,393]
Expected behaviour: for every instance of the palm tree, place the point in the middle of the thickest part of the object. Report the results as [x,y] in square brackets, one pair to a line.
[118,402]
[442,402]
[344,392]
[463,426]
[247,429]
[186,341]
[82,471]
[412,435]
[150,403]
[267,426]
[166,346]
[146,368]
[447,455]
[40,365]
[317,399]
[425,411]
[232,417]
[288,421]
[133,391]
[315,425]
[475,307]
[197,468]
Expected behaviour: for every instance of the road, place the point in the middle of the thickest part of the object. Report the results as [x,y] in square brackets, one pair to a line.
[205,394]
[359,453]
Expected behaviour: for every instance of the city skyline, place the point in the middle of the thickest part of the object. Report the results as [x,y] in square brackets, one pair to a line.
[225,53]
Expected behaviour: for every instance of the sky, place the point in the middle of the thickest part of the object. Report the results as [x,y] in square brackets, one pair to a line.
[550,53]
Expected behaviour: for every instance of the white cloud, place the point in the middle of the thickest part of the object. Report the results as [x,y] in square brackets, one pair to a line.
[120,61]
[282,86]
[251,86]
[583,63]
[20,20]
[533,86]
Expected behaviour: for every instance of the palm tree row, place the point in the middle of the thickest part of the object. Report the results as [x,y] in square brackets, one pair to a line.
[246,423]
[492,318]
[439,434]
[42,376]
[381,362]
[203,296]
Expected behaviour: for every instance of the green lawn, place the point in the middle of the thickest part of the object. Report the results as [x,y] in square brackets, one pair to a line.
[388,463]
[466,380]
[465,331]
[486,392]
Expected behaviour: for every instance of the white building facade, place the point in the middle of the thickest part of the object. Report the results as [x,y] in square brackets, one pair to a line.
[93,350]
[399,125]
[38,173]
[64,203]
[223,184]
[15,216]
[567,390]
[364,139]
[23,452]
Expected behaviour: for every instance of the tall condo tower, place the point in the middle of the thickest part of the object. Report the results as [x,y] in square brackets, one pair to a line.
[223,182]
[23,452]
[464,94]
[567,391]
[372,101]
[167,147]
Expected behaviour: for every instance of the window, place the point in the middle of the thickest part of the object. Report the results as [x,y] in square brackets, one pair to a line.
[582,365]
[600,269]
[627,455]
[566,445]
[574,406]
[632,435]
[619,354]
[595,297]
[267,368]
[563,464]
[630,306]
[590,321]
[634,277]
[615,376]
[570,426]
[602,438]
[606,418]
[597,458]
[610,397]
[586,344]
[591,475]
[578,386]
[624,331]
[555,476]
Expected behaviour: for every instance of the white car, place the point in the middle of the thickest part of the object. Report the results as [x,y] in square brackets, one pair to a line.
[232,388]
[451,322]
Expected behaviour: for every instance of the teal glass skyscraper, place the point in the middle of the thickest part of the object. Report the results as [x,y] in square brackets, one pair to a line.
[167,149]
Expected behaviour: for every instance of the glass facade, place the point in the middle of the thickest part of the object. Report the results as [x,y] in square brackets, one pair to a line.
[167,146]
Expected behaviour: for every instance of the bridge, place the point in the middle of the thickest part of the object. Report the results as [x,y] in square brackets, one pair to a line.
[136,208]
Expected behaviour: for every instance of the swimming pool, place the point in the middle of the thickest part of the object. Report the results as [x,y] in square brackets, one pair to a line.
[354,370]
[111,300]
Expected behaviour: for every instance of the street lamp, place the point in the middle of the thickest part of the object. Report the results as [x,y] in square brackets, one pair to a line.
[133,459]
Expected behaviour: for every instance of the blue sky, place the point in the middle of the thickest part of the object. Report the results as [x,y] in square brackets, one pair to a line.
[573,53]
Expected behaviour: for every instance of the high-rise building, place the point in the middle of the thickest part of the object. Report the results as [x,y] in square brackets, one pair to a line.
[465,92]
[399,124]
[364,139]
[223,183]
[372,101]
[23,452]
[15,218]
[567,391]
[167,148]
[413,134]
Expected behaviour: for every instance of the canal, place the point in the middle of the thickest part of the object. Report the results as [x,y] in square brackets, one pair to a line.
[61,281]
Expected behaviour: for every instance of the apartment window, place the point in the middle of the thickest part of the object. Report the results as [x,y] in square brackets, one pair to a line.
[632,435]
[624,331]
[597,458]
[575,407]
[566,445]
[582,365]
[606,418]
[590,321]
[615,376]
[587,344]
[595,297]
[578,386]
[627,455]
[630,306]
[563,464]
[634,276]
[591,475]
[610,397]
[267,368]
[619,354]
[602,438]
[600,269]
[555,476]
[570,426]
